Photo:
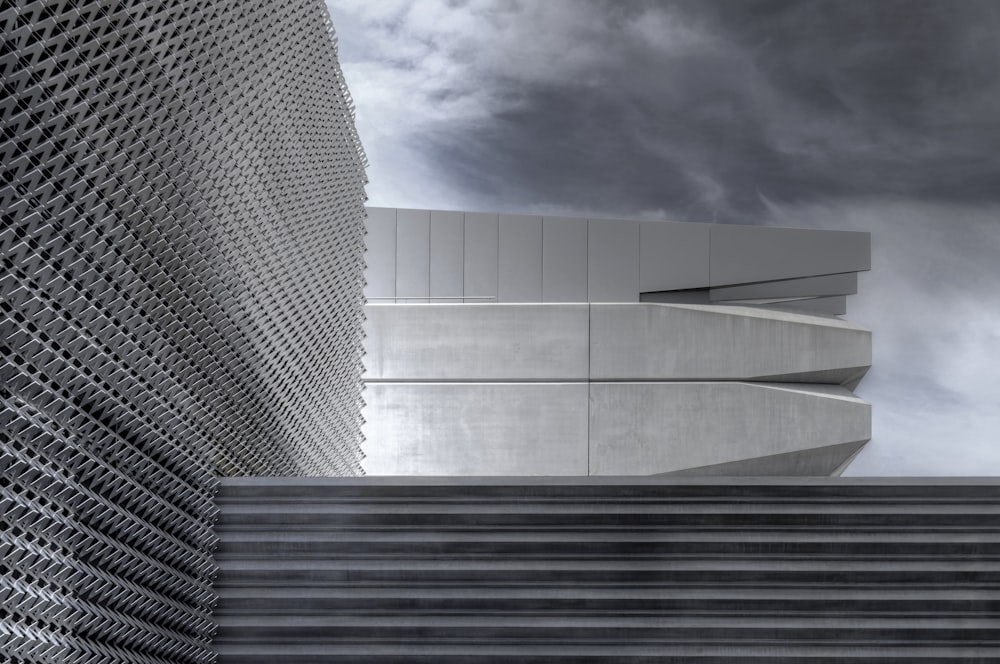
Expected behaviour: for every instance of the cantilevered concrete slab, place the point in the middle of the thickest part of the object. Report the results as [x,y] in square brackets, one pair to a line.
[630,388]
[647,428]
[703,342]
[633,341]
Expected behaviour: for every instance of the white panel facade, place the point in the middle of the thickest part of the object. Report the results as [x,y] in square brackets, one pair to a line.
[520,258]
[413,255]
[447,256]
[380,253]
[672,256]
[564,259]
[742,254]
[488,257]
[613,260]
[482,247]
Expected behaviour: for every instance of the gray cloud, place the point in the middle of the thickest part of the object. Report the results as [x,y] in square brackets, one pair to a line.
[882,116]
[696,107]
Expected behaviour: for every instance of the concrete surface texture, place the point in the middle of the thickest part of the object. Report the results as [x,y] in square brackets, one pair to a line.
[689,342]
[477,429]
[426,255]
[499,570]
[642,428]
[622,389]
[477,341]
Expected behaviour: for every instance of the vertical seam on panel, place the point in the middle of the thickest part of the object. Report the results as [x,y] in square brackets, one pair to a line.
[542,275]
[498,259]
[638,248]
[710,234]
[463,257]
[541,259]
[430,216]
[395,256]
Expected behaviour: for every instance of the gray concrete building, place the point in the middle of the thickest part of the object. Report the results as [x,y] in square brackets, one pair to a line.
[518,345]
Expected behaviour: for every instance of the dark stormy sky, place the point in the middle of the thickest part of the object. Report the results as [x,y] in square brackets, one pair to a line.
[871,115]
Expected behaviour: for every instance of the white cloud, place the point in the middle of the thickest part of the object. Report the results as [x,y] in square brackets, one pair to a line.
[932,301]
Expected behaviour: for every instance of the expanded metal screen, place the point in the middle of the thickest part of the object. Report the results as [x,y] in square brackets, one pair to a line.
[182,247]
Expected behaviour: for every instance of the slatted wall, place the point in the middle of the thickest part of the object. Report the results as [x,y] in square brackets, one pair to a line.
[181,247]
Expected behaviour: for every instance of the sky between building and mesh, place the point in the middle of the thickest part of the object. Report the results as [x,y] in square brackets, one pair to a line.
[864,116]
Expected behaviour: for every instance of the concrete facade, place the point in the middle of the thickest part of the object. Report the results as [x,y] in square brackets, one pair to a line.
[610,389]
[661,427]
[698,346]
[696,342]
[477,342]
[477,429]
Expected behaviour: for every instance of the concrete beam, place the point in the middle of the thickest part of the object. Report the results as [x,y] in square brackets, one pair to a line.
[475,429]
[647,428]
[477,342]
[651,341]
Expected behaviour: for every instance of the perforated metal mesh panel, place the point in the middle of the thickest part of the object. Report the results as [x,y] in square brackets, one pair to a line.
[180,295]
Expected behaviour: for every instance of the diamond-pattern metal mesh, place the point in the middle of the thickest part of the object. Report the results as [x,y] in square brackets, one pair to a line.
[180,295]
